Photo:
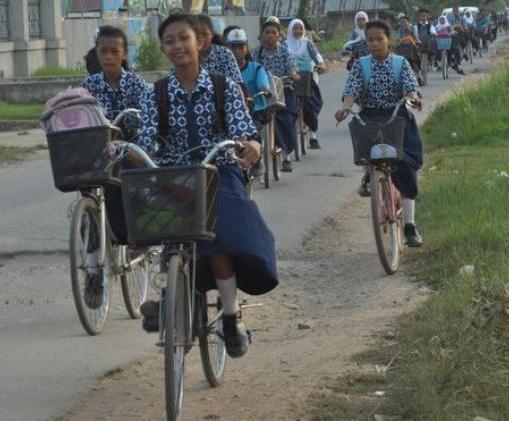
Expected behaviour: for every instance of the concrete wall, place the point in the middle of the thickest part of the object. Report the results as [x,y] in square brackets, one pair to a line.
[6,59]
[41,89]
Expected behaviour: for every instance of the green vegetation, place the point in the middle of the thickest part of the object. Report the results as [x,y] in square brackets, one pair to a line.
[14,153]
[451,358]
[20,111]
[59,71]
[150,56]
[334,45]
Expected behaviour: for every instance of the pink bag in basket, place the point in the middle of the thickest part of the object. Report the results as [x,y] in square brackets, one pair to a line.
[72,109]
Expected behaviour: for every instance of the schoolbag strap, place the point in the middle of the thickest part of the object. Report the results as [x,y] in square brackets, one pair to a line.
[367,69]
[163,108]
[397,67]
[220,126]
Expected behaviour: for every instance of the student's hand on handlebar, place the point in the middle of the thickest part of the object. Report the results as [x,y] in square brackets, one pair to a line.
[415,101]
[321,68]
[250,153]
[296,76]
[341,115]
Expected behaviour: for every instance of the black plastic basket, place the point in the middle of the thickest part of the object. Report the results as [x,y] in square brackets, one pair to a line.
[78,159]
[302,87]
[175,204]
[374,132]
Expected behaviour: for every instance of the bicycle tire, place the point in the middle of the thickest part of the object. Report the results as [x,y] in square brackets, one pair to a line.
[92,320]
[276,166]
[380,204]
[210,338]
[174,338]
[481,47]
[444,64]
[424,69]
[266,156]
[303,131]
[134,285]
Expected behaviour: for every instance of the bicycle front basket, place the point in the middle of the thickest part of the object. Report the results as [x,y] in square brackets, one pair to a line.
[444,43]
[174,204]
[277,89]
[77,157]
[303,86]
[374,132]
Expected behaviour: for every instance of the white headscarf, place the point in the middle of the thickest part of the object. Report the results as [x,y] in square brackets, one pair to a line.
[468,20]
[297,46]
[441,26]
[361,33]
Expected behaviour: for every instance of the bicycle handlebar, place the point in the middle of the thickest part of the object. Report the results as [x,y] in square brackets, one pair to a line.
[394,114]
[138,155]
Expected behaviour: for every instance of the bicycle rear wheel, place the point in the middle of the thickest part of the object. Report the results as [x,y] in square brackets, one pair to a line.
[134,283]
[303,131]
[175,320]
[444,64]
[424,69]
[387,225]
[210,336]
[266,156]
[91,284]
[298,151]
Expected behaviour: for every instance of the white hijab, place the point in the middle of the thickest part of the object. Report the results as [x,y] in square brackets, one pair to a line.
[361,33]
[469,19]
[441,26]
[298,46]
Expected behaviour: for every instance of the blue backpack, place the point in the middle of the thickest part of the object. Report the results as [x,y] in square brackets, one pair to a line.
[367,69]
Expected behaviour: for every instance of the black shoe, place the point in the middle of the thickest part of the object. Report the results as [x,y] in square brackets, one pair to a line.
[313,144]
[460,71]
[150,312]
[236,339]
[94,291]
[287,166]
[412,235]
[364,188]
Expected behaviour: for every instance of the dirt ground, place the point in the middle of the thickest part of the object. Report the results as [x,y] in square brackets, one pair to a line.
[334,301]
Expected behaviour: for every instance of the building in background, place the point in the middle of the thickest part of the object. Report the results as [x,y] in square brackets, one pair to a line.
[30,36]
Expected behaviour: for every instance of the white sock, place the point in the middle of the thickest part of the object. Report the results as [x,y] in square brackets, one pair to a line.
[312,135]
[287,157]
[228,290]
[409,211]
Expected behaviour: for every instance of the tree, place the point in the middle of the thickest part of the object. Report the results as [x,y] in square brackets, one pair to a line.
[150,56]
[303,9]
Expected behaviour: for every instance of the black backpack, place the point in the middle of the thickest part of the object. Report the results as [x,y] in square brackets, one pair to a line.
[163,106]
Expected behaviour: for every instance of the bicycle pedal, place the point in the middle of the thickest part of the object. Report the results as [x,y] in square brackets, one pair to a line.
[249,336]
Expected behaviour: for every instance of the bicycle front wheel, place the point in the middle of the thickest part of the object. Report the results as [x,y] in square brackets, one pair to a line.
[91,283]
[386,222]
[175,338]
[210,336]
[424,69]
[304,133]
[135,283]
[266,156]
[444,64]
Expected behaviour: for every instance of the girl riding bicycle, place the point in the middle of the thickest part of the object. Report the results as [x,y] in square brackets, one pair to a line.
[115,89]
[378,96]
[243,253]
[254,75]
[356,45]
[215,57]
[307,58]
[276,58]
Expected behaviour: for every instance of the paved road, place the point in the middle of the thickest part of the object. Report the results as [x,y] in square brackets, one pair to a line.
[46,360]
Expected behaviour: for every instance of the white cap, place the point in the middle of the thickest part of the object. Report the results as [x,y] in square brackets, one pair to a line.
[274,19]
[237,36]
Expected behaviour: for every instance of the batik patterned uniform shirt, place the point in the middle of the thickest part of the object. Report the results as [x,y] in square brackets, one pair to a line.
[191,119]
[221,60]
[279,63]
[383,91]
[128,93]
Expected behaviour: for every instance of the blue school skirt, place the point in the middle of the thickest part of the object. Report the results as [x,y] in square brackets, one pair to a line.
[405,174]
[242,234]
[284,130]
[312,106]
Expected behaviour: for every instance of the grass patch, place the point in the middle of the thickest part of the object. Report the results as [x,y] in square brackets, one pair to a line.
[59,71]
[452,355]
[16,153]
[20,111]
[335,45]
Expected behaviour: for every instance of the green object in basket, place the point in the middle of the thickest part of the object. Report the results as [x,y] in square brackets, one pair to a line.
[151,221]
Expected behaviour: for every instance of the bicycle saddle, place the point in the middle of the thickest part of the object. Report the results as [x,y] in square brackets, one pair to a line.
[383,151]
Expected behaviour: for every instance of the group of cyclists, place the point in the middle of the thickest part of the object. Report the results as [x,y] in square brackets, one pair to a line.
[202,102]
[425,36]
